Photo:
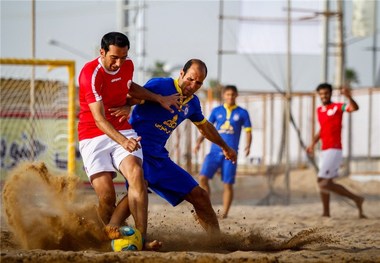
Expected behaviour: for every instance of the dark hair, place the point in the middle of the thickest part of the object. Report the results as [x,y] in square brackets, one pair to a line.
[194,61]
[324,86]
[230,87]
[114,38]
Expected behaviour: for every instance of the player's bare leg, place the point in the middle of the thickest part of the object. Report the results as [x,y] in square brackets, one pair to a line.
[228,195]
[359,205]
[203,182]
[206,216]
[121,213]
[341,190]
[131,168]
[103,186]
[325,198]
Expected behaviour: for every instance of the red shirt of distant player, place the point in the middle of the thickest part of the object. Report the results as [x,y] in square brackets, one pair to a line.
[330,121]
[98,84]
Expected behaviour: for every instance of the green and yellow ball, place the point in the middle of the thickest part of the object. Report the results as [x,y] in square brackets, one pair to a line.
[131,240]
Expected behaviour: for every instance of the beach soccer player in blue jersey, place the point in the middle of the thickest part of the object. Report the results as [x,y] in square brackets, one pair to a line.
[229,119]
[155,124]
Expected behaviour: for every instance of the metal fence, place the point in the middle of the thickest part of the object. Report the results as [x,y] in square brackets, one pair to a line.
[360,134]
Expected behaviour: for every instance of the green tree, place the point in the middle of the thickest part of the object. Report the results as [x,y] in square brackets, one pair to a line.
[158,70]
[216,89]
[351,77]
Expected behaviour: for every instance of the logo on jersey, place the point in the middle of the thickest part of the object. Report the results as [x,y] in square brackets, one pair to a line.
[332,111]
[172,123]
[114,80]
[168,126]
[226,127]
[186,110]
[236,117]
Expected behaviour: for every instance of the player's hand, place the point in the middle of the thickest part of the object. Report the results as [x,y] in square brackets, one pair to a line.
[310,150]
[132,144]
[175,100]
[196,148]
[247,151]
[230,154]
[122,112]
[346,91]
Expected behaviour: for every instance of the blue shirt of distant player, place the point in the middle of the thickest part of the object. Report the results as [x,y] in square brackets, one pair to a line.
[155,124]
[229,122]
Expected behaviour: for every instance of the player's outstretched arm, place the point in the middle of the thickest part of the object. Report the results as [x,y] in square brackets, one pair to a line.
[138,92]
[352,105]
[97,110]
[210,133]
[121,112]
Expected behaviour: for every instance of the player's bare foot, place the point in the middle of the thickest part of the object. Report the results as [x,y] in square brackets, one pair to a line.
[222,216]
[325,215]
[112,232]
[199,221]
[359,204]
[152,245]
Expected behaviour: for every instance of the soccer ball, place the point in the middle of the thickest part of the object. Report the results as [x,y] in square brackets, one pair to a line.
[131,240]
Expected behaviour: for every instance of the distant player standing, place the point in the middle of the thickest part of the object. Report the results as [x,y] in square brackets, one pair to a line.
[330,120]
[229,119]
[106,142]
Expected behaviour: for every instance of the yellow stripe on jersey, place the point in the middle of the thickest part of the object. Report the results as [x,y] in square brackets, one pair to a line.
[200,122]
[229,110]
[177,86]
[179,90]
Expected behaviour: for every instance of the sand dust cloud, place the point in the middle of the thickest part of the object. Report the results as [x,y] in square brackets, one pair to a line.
[47,211]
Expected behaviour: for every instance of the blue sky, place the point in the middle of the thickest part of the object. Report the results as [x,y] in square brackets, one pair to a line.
[175,32]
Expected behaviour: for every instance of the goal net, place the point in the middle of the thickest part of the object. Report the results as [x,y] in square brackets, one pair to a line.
[37,114]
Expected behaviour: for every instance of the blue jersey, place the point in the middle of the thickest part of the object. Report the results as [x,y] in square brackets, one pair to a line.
[155,124]
[229,123]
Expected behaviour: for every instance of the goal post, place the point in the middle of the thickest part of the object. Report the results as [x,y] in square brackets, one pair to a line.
[12,80]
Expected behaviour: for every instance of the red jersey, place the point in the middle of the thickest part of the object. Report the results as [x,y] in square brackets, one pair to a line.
[98,84]
[330,121]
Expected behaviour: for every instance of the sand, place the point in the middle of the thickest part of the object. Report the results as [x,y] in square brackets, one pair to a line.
[48,218]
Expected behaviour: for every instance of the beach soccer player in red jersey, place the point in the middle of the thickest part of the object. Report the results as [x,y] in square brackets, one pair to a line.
[330,121]
[107,142]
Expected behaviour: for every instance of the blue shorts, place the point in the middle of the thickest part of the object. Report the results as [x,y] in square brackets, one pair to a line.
[216,160]
[167,179]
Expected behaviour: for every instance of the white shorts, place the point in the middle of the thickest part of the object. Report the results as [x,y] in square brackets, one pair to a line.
[329,163]
[102,154]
